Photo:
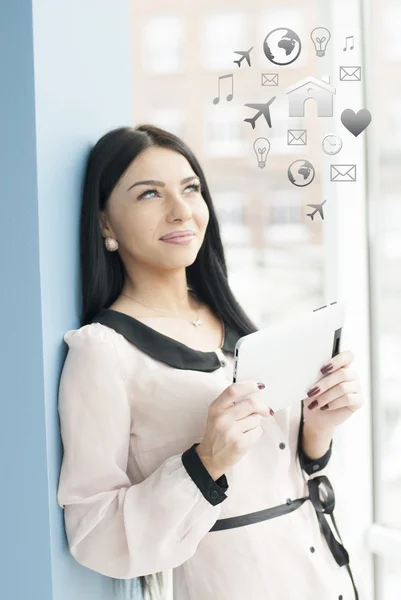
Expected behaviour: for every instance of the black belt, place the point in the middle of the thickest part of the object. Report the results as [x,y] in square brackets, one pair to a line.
[321,507]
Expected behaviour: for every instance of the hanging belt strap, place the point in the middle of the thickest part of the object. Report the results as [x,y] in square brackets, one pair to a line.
[321,507]
[327,506]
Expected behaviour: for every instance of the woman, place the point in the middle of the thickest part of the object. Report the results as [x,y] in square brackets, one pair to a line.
[163,455]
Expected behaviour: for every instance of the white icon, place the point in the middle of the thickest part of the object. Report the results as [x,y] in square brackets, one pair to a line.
[356,122]
[350,74]
[314,88]
[229,96]
[282,46]
[296,137]
[332,144]
[263,109]
[349,37]
[320,38]
[318,208]
[301,173]
[262,148]
[269,79]
[243,54]
[342,172]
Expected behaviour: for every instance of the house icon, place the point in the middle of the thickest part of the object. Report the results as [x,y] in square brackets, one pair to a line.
[307,88]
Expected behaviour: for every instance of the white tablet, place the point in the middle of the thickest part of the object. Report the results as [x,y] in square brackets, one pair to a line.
[287,357]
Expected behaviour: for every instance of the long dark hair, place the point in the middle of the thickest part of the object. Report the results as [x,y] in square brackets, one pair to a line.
[103,273]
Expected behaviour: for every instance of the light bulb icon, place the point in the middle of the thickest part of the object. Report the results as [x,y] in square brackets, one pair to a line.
[320,38]
[262,148]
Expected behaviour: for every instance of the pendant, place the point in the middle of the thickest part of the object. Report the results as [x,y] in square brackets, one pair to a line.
[196,323]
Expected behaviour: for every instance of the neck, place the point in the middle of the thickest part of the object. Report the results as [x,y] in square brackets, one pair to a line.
[172,298]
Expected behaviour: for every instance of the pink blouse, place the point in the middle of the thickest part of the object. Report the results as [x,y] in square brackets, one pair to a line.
[137,500]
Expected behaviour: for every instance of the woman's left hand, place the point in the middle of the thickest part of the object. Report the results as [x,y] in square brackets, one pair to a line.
[338,396]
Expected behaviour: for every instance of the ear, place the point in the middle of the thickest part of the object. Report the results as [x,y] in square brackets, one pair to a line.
[103,224]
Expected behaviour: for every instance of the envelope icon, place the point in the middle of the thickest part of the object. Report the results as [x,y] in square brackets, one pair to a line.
[342,172]
[350,74]
[269,79]
[296,137]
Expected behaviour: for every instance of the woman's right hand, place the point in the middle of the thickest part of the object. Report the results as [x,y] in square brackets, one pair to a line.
[233,426]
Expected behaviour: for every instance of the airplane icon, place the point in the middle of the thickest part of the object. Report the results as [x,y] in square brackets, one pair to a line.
[262,109]
[317,207]
[243,54]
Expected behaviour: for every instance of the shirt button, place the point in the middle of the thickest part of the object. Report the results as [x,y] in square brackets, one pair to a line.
[312,549]
[288,500]
[214,494]
[282,445]
[340,597]
[315,467]
[223,363]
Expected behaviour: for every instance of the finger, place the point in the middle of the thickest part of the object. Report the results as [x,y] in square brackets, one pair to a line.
[238,390]
[331,380]
[248,422]
[342,359]
[345,387]
[350,401]
[242,407]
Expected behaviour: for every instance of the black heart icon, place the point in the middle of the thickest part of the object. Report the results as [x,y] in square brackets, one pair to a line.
[356,123]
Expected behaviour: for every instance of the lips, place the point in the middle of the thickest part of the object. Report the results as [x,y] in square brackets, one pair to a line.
[178,234]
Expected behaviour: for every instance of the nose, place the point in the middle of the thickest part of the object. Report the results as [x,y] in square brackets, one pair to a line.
[178,207]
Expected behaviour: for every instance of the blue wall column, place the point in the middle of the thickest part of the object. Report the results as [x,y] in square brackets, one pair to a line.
[65,79]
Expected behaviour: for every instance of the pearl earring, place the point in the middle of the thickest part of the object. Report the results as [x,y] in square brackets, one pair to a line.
[111,244]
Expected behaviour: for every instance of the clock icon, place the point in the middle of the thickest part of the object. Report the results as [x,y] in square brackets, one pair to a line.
[332,144]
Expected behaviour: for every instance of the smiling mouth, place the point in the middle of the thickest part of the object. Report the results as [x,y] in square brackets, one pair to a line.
[178,237]
[179,240]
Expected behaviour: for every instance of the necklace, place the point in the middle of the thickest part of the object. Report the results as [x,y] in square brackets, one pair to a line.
[195,323]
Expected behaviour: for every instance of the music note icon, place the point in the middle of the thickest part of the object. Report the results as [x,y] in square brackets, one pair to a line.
[350,37]
[229,96]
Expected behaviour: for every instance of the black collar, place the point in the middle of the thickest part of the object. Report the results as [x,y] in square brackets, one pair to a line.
[163,347]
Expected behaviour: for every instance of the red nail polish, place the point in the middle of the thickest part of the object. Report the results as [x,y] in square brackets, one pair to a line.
[325,407]
[271,412]
[261,386]
[313,391]
[313,404]
[326,368]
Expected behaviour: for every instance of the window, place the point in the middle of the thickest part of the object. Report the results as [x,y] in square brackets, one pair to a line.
[384,83]
[223,135]
[285,209]
[223,33]
[280,262]
[229,207]
[162,39]
[390,34]
[168,118]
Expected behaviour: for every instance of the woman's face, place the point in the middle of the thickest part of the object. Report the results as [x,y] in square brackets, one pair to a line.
[138,214]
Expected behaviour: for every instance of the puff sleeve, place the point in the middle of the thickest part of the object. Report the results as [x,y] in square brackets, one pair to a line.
[114,526]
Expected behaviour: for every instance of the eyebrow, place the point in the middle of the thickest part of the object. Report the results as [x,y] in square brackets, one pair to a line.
[161,183]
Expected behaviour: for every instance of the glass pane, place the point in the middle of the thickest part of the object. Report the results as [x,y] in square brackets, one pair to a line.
[273,249]
[387,90]
[385,93]
[391,579]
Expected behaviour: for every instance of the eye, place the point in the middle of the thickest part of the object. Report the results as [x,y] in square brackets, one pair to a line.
[144,194]
[195,186]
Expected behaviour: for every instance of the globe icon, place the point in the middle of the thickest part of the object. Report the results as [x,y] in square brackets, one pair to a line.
[301,173]
[282,46]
